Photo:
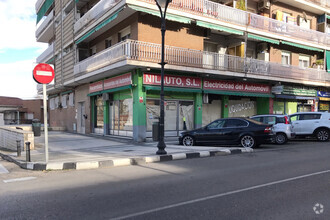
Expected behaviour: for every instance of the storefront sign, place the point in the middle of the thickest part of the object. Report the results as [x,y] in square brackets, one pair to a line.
[277,89]
[298,92]
[323,94]
[169,80]
[324,107]
[95,87]
[235,86]
[118,81]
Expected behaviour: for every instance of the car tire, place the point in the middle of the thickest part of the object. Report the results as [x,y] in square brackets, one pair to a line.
[322,134]
[188,141]
[247,141]
[281,138]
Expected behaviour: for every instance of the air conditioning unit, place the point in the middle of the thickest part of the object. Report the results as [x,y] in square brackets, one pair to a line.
[263,4]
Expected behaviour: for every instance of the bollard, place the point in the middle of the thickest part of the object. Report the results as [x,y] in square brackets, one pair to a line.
[27,149]
[19,150]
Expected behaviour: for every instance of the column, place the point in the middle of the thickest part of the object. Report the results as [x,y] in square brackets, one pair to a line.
[198,110]
[224,106]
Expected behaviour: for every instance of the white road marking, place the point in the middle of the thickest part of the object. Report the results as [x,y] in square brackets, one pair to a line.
[20,179]
[219,195]
[3,169]
[43,73]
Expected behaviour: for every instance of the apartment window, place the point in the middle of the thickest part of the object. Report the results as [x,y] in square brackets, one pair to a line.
[124,34]
[108,43]
[57,102]
[52,104]
[305,23]
[71,99]
[92,50]
[286,58]
[304,61]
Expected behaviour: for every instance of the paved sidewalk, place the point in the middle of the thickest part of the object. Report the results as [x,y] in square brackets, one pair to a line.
[73,151]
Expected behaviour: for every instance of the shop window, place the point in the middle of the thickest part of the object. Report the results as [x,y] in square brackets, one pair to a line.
[286,58]
[71,99]
[64,101]
[304,61]
[126,115]
[99,114]
[52,104]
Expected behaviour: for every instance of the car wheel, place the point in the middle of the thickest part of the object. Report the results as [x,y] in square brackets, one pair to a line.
[322,134]
[280,138]
[248,141]
[188,141]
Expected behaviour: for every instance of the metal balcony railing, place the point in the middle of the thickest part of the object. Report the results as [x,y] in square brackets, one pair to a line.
[323,3]
[45,23]
[149,52]
[291,30]
[238,17]
[46,54]
[94,13]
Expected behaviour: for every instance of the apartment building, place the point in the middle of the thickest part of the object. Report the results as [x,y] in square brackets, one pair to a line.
[224,58]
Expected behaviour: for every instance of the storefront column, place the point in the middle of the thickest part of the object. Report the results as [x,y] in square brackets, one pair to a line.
[198,110]
[224,106]
[271,106]
[93,114]
[139,108]
[262,106]
[106,117]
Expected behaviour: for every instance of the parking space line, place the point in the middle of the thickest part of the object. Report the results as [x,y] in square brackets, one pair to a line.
[19,179]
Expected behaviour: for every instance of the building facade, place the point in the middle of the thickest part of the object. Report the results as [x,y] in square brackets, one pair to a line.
[224,58]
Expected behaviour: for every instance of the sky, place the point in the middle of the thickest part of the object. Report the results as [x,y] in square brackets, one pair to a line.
[18,48]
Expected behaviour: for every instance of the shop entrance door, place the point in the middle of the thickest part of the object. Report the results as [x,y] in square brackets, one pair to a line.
[114,118]
[82,116]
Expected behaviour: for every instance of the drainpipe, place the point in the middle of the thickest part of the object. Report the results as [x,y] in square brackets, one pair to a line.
[18,117]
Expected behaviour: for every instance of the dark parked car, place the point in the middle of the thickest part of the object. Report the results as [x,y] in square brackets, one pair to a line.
[230,131]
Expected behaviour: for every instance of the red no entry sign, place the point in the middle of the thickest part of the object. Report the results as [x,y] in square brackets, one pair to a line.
[43,73]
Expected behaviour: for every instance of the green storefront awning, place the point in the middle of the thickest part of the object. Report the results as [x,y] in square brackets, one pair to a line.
[44,8]
[239,93]
[301,46]
[98,27]
[266,39]
[173,89]
[157,13]
[327,56]
[50,60]
[219,28]
[110,90]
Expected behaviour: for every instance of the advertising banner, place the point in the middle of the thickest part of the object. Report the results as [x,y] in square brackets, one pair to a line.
[174,81]
[118,81]
[236,86]
[96,87]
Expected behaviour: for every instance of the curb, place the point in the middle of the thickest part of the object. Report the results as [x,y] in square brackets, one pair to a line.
[120,162]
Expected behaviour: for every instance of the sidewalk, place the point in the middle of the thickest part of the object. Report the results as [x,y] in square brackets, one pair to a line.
[73,151]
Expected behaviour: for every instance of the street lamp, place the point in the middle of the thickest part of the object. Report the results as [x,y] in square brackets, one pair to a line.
[162,5]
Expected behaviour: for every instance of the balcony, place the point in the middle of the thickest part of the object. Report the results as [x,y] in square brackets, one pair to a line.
[38,5]
[45,30]
[233,16]
[148,52]
[323,3]
[46,55]
[94,13]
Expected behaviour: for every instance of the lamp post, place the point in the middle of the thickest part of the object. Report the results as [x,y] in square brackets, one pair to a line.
[162,5]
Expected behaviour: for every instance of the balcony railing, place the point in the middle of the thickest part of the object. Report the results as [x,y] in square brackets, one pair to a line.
[94,13]
[323,3]
[282,28]
[45,23]
[148,52]
[238,17]
[47,54]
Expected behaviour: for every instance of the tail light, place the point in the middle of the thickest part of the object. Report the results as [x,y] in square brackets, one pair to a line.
[268,130]
[286,120]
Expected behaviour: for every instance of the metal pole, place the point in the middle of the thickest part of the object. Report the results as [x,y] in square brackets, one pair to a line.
[45,123]
[161,144]
[19,150]
[27,152]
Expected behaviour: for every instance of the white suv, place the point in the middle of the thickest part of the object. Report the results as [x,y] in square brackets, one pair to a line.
[311,124]
[281,126]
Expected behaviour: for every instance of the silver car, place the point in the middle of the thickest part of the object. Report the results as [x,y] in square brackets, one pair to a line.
[281,126]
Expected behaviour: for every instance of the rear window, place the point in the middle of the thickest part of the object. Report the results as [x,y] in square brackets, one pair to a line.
[281,120]
[310,116]
[254,121]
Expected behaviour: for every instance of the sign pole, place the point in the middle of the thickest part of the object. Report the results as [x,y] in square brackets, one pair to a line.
[45,122]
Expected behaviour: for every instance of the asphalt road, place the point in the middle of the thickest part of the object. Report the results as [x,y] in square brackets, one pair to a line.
[274,182]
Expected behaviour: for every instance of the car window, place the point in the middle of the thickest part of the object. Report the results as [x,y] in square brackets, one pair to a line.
[234,123]
[281,120]
[257,119]
[271,120]
[310,116]
[294,118]
[216,124]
